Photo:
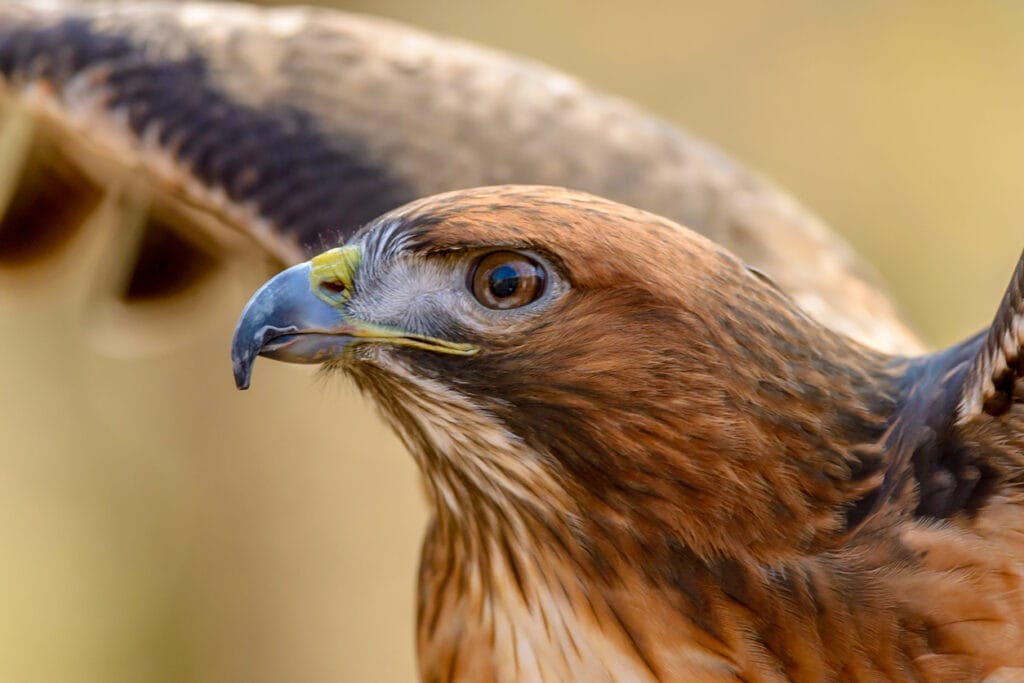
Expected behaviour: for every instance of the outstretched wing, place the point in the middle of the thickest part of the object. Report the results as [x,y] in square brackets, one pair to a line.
[291,127]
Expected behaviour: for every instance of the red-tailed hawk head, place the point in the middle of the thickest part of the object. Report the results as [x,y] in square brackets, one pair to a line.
[536,342]
[648,463]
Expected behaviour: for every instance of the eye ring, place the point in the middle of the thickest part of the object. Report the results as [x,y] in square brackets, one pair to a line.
[502,280]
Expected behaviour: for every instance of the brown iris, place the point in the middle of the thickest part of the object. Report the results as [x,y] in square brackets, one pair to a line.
[506,279]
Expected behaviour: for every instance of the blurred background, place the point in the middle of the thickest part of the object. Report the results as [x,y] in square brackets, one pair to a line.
[155,525]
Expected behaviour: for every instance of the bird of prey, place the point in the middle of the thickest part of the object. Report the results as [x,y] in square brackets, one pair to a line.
[189,138]
[647,463]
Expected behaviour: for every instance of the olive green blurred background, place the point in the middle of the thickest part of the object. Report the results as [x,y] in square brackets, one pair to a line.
[156,525]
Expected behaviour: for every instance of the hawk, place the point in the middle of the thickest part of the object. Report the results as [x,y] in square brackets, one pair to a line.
[647,463]
[150,150]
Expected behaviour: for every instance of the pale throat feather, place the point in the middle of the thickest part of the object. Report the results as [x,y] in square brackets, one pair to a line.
[470,460]
[490,608]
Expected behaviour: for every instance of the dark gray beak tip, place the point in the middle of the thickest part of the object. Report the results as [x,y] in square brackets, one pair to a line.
[245,347]
[276,320]
[243,372]
[256,325]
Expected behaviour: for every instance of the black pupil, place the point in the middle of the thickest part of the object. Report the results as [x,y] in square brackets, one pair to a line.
[504,281]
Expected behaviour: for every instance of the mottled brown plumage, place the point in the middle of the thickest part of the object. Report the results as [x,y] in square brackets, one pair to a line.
[662,469]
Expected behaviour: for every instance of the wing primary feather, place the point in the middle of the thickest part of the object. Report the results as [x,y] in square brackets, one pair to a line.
[998,368]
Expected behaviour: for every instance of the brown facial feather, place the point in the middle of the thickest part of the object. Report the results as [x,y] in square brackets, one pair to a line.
[671,473]
[668,371]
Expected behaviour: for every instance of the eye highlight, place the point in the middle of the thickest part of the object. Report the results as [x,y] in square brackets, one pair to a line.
[506,279]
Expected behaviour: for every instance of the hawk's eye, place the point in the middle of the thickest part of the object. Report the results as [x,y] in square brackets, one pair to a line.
[506,279]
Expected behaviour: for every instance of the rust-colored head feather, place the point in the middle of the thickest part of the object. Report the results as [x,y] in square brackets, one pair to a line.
[648,464]
[667,370]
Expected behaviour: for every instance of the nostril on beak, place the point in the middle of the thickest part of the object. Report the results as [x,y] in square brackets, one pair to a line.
[333,287]
[330,288]
[332,272]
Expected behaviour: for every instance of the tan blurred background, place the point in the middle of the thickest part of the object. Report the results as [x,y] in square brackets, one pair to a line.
[155,525]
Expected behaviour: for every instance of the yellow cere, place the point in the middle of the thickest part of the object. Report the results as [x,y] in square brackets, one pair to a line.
[335,265]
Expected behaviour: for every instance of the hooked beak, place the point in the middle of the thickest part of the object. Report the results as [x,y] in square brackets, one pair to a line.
[298,317]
